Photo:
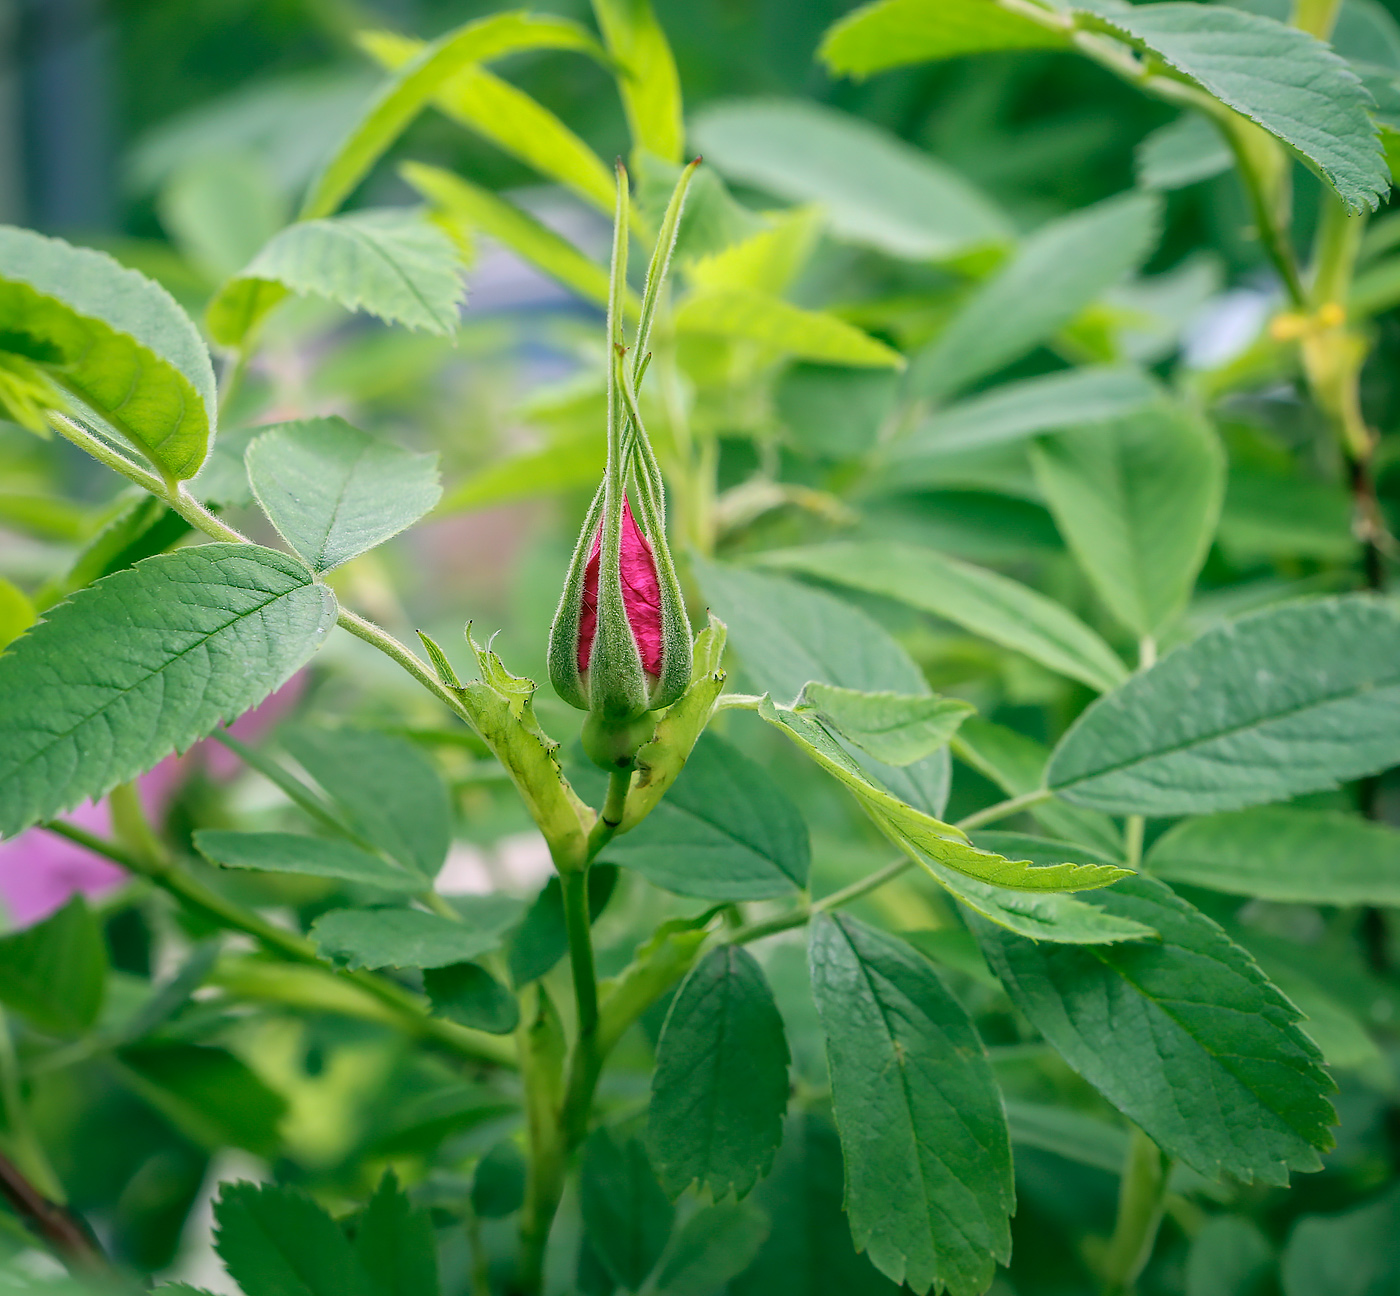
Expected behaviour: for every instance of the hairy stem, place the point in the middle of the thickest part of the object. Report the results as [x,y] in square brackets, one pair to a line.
[1141,1194]
[1004,809]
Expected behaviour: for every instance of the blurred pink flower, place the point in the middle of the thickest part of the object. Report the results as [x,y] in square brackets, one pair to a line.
[40,870]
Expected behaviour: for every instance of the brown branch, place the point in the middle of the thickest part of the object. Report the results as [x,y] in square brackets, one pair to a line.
[59,1227]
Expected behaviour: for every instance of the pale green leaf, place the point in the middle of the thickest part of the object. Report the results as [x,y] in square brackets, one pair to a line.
[573,462]
[982,601]
[220,209]
[766,261]
[391,263]
[711,1247]
[721,1083]
[892,33]
[928,1159]
[1184,1035]
[921,833]
[895,728]
[784,328]
[1055,273]
[1287,81]
[334,492]
[875,189]
[275,852]
[724,831]
[510,119]
[414,85]
[54,974]
[143,663]
[648,81]
[1136,499]
[1296,698]
[1286,854]
[404,938]
[1183,152]
[480,209]
[113,339]
[17,613]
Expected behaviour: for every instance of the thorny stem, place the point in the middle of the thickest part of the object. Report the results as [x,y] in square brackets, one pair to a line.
[1141,1195]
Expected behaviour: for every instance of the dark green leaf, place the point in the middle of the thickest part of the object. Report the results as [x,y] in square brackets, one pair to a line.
[276,1241]
[1185,1036]
[210,1094]
[721,1083]
[113,338]
[713,1246]
[928,1159]
[1136,499]
[896,728]
[312,856]
[498,1186]
[395,1243]
[808,1251]
[1056,272]
[1286,854]
[1183,152]
[1350,1254]
[725,831]
[1292,699]
[626,1216]
[333,492]
[1230,1257]
[985,602]
[55,972]
[468,993]
[543,938]
[892,33]
[376,938]
[385,787]
[143,663]
[1284,79]
[874,188]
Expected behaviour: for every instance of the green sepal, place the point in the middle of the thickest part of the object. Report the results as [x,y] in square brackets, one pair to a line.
[564,633]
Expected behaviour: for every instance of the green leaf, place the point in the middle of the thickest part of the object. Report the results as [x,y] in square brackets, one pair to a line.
[55,973]
[809,1251]
[649,84]
[1016,764]
[211,1095]
[1293,699]
[1287,81]
[1136,499]
[626,1216]
[1185,1036]
[892,33]
[333,492]
[1183,152]
[143,663]
[874,189]
[1056,272]
[115,340]
[469,994]
[479,209]
[721,1082]
[1348,1254]
[921,834]
[403,938]
[275,852]
[895,728]
[834,411]
[1230,1257]
[414,85]
[498,1186]
[572,462]
[391,263]
[510,119]
[1286,854]
[725,831]
[984,602]
[395,1243]
[782,327]
[276,1241]
[789,634]
[928,1158]
[220,209]
[543,937]
[713,1245]
[17,613]
[385,788]
[1014,411]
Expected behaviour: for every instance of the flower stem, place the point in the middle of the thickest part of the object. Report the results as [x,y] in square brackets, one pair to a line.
[1141,1194]
[1004,809]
